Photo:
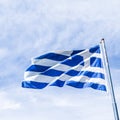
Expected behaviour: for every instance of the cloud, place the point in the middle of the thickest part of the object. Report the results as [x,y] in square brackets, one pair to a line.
[6,103]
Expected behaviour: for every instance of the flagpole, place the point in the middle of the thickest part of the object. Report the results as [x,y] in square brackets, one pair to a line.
[110,84]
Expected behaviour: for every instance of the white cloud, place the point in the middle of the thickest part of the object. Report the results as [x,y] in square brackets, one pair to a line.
[6,103]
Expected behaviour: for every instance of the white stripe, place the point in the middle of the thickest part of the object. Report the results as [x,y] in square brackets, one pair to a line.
[77,67]
[87,79]
[64,77]
[98,55]
[28,76]
[44,62]
[65,68]
[86,62]
[93,69]
[66,53]
[61,67]
[34,76]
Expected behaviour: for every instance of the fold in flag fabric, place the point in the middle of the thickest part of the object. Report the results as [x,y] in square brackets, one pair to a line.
[76,68]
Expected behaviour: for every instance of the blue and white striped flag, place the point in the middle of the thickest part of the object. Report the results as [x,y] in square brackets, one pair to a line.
[77,68]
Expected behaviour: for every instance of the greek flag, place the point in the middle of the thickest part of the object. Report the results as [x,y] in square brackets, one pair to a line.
[76,68]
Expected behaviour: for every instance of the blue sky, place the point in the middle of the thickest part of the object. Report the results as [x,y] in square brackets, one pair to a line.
[30,28]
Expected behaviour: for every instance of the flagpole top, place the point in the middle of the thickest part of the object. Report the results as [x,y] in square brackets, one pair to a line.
[102,40]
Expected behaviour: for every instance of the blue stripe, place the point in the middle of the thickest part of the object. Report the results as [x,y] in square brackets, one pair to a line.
[92,74]
[52,73]
[75,60]
[55,73]
[95,49]
[72,73]
[34,85]
[58,83]
[53,56]
[96,62]
[85,85]
[76,52]
[85,73]
[37,68]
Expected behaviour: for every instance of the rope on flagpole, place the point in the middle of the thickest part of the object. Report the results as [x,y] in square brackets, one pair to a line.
[110,84]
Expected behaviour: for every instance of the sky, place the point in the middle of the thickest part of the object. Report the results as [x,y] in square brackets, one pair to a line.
[29,28]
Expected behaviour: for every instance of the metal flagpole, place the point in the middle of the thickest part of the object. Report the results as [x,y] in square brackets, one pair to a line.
[105,58]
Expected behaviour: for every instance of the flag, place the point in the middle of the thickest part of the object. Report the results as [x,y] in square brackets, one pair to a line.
[76,68]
